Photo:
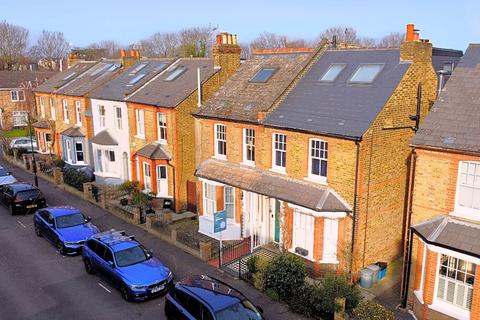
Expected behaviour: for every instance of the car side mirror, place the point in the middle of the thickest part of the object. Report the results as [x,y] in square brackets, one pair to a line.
[88,219]
[111,264]
[260,309]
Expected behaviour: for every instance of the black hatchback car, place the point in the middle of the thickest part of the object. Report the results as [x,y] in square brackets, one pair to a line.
[202,297]
[21,198]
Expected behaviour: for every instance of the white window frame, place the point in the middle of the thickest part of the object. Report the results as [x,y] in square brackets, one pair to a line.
[303,233]
[68,151]
[42,107]
[66,118]
[99,156]
[161,193]
[464,211]
[220,137]
[145,188]
[17,95]
[319,178]
[78,112]
[101,117]
[209,199]
[162,128]
[118,120]
[20,118]
[77,152]
[247,139]
[228,202]
[330,241]
[53,114]
[275,167]
[140,121]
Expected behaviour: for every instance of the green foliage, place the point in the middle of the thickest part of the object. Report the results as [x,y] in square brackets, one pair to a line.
[285,273]
[299,302]
[139,198]
[59,163]
[75,178]
[252,264]
[129,187]
[370,310]
[261,266]
[337,286]
[16,133]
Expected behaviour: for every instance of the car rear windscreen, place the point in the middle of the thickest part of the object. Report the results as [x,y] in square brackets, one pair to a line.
[28,194]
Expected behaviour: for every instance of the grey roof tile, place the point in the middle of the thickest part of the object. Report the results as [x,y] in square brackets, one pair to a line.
[104,138]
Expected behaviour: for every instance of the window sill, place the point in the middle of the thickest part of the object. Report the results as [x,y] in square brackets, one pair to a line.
[66,122]
[220,157]
[106,174]
[450,310]
[248,163]
[280,170]
[140,137]
[467,213]
[304,257]
[162,142]
[329,261]
[78,124]
[315,179]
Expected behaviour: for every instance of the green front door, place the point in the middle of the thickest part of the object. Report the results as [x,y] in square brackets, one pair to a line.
[277,221]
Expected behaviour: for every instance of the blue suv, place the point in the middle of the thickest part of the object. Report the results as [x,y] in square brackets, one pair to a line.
[127,265]
[66,227]
[202,297]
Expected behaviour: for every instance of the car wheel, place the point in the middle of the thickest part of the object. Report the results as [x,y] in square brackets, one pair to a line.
[125,293]
[60,248]
[37,230]
[88,266]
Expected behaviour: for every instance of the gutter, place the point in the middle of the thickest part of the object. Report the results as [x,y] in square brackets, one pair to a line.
[354,211]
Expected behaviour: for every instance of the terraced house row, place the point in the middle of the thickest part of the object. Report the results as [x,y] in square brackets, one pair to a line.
[306,148]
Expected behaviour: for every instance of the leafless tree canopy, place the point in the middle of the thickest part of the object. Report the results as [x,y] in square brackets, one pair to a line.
[161,44]
[13,44]
[51,46]
[112,48]
[269,40]
[196,41]
[344,34]
[392,40]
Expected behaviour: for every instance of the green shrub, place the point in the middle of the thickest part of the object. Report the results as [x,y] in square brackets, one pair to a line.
[59,163]
[259,276]
[370,310]
[139,198]
[252,264]
[128,187]
[285,273]
[75,178]
[299,302]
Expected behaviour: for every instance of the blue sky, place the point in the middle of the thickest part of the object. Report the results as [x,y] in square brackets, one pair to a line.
[451,24]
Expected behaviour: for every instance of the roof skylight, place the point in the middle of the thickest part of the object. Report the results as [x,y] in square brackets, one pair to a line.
[136,79]
[175,73]
[138,68]
[366,72]
[70,75]
[332,72]
[160,67]
[263,75]
[101,68]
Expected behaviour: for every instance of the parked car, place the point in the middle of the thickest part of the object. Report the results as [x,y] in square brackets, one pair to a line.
[21,198]
[202,297]
[127,265]
[65,227]
[23,143]
[6,176]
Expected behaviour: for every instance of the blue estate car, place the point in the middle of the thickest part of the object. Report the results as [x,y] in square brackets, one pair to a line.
[127,265]
[67,228]
[204,297]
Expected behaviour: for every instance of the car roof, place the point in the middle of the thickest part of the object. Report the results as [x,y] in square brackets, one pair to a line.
[62,211]
[22,187]
[116,240]
[217,294]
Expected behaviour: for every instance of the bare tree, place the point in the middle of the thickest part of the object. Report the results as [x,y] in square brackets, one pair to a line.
[196,41]
[112,48]
[13,44]
[392,40]
[161,44]
[269,40]
[347,35]
[367,42]
[246,50]
[51,46]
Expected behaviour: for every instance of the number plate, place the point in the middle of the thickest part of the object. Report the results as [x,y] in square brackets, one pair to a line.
[158,288]
[31,206]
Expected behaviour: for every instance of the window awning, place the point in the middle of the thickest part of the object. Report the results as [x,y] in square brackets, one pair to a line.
[104,138]
[451,233]
[72,132]
[154,151]
[308,195]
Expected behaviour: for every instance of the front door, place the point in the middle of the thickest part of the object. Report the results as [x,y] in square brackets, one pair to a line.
[162,181]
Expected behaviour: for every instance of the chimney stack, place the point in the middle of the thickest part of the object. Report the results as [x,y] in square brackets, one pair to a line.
[72,59]
[415,49]
[129,58]
[226,54]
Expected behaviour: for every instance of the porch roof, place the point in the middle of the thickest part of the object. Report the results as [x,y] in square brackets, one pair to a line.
[154,151]
[72,132]
[451,233]
[42,124]
[315,197]
[104,138]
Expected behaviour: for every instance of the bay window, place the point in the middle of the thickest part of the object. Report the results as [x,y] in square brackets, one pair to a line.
[209,199]
[303,234]
[79,151]
[230,201]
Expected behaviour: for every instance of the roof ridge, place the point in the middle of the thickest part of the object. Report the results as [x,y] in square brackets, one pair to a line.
[433,235]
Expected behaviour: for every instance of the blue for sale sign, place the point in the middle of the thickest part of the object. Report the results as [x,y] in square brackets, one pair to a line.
[219,221]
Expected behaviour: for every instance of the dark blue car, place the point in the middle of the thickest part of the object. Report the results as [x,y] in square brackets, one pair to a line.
[127,265]
[202,297]
[67,228]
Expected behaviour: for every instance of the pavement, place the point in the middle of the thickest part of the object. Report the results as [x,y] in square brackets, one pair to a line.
[38,283]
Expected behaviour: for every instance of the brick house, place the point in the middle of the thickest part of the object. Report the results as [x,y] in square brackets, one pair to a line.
[445,207]
[17,98]
[309,150]
[162,132]
[64,126]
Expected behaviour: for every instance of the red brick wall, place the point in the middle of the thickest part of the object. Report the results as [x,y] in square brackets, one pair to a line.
[475,310]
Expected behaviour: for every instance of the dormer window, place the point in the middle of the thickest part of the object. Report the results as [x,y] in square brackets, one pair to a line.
[263,75]
[366,73]
[332,72]
[468,190]
[447,67]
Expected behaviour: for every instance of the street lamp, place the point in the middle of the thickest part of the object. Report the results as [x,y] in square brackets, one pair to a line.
[34,165]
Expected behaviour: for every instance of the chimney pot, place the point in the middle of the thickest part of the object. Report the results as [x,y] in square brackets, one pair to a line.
[219,39]
[132,53]
[224,38]
[234,39]
[123,53]
[410,36]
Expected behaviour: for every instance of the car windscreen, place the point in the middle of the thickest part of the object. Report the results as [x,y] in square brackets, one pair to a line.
[240,311]
[131,256]
[27,194]
[70,220]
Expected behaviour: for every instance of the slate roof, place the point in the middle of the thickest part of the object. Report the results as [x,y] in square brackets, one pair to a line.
[162,93]
[17,79]
[241,100]
[72,132]
[118,88]
[63,78]
[440,56]
[309,195]
[42,124]
[104,138]
[454,121]
[451,233]
[340,108]
[154,151]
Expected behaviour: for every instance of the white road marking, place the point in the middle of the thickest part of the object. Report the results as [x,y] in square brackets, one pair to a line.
[106,289]
[20,223]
